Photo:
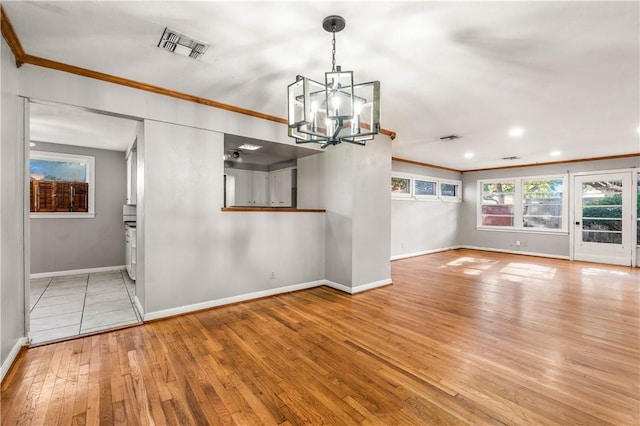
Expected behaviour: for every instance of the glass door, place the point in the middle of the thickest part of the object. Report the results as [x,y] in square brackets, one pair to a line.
[603,218]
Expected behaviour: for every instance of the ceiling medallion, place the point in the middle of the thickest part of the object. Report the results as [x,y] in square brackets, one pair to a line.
[337,110]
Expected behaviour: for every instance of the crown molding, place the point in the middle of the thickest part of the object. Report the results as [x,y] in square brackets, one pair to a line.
[418,163]
[551,163]
[11,38]
[23,58]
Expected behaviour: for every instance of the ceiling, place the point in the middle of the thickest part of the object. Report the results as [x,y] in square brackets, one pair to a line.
[565,72]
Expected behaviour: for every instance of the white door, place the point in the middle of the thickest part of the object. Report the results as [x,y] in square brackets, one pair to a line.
[602,218]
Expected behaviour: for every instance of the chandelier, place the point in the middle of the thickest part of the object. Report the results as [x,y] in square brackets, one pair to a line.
[337,110]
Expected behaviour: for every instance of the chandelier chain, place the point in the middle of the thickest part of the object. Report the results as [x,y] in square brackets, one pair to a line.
[333,51]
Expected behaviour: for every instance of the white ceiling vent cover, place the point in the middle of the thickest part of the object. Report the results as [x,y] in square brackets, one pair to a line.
[176,42]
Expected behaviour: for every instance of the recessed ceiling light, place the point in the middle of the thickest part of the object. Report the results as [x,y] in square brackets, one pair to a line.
[556,153]
[516,132]
[249,147]
[468,155]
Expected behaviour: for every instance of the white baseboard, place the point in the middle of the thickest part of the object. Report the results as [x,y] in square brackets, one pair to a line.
[6,365]
[77,271]
[138,305]
[526,253]
[357,289]
[422,253]
[148,316]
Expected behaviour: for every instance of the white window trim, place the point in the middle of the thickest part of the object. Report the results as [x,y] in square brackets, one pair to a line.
[448,198]
[434,197]
[399,195]
[517,206]
[90,162]
[411,196]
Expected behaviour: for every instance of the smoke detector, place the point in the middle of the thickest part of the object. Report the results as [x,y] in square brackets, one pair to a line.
[182,44]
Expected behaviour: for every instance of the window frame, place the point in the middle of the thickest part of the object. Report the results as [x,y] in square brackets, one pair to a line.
[402,195]
[89,162]
[518,205]
[433,197]
[448,198]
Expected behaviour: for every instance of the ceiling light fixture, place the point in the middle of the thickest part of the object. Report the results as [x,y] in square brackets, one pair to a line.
[468,155]
[182,44]
[555,153]
[337,110]
[249,147]
[516,132]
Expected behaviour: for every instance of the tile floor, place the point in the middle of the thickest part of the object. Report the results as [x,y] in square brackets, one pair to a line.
[77,304]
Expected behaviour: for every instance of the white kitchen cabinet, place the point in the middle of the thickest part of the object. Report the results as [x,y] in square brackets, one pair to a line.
[281,188]
[132,169]
[250,188]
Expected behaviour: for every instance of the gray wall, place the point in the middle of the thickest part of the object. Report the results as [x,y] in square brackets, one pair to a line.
[423,226]
[70,244]
[194,252]
[12,290]
[355,182]
[546,244]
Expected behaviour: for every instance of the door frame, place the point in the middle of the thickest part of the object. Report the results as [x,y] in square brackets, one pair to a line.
[633,261]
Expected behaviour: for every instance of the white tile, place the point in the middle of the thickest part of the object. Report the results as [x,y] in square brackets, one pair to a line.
[96,299]
[64,291]
[107,306]
[57,321]
[69,299]
[70,279]
[53,310]
[54,334]
[106,287]
[108,320]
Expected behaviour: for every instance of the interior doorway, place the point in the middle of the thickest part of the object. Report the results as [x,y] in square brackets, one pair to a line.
[76,181]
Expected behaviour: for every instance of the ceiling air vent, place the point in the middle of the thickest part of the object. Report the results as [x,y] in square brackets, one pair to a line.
[450,137]
[511,158]
[182,44]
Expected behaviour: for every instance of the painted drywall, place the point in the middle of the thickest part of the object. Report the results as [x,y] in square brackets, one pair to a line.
[418,226]
[371,213]
[194,252]
[72,244]
[12,290]
[355,181]
[544,244]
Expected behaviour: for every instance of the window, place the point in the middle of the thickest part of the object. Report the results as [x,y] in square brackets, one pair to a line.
[417,187]
[497,203]
[450,190]
[542,203]
[425,188]
[401,186]
[529,203]
[61,185]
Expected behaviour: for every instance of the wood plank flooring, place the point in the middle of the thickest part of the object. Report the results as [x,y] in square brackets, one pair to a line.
[461,337]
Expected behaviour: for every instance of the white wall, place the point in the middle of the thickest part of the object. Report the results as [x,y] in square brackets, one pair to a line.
[12,303]
[544,244]
[72,244]
[419,227]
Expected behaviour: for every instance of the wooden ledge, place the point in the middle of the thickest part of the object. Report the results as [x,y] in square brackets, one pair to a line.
[272,210]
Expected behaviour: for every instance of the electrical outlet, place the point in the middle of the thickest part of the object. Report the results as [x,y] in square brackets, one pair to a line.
[272,275]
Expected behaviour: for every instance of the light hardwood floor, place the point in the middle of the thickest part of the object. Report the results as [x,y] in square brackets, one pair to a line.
[460,337]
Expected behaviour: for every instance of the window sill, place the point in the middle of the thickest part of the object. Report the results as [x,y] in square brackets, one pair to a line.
[523,230]
[62,215]
[272,209]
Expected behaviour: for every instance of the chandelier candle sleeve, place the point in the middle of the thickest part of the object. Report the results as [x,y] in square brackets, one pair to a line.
[337,110]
